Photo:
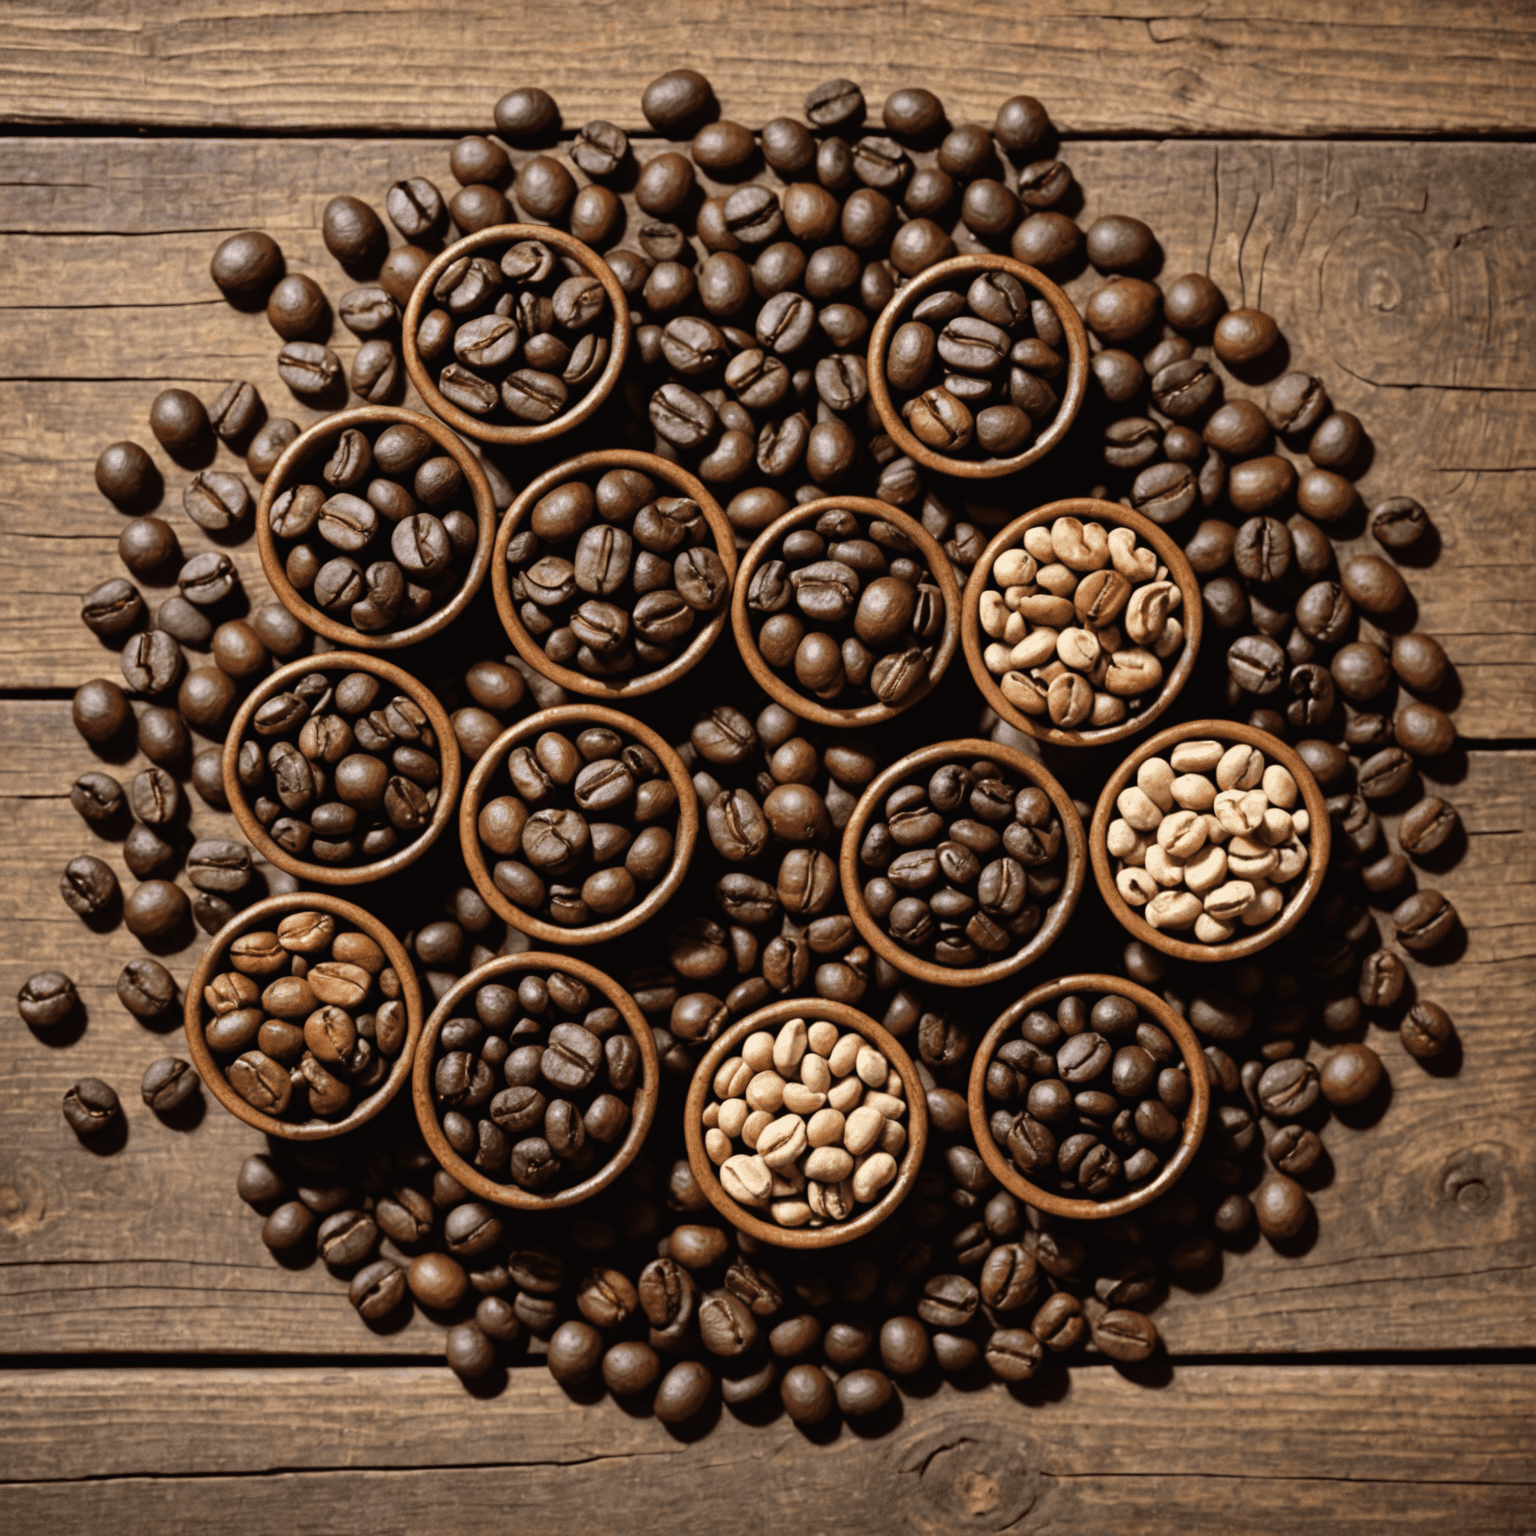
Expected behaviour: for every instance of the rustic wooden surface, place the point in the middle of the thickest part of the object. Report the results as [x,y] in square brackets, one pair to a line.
[164,1374]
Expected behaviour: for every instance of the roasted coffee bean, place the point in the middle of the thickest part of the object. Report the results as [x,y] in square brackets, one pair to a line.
[91,1107]
[168,1084]
[46,999]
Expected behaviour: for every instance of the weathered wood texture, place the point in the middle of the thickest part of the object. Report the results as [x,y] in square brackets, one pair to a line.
[1177,66]
[1253,1448]
[150,1250]
[1399,273]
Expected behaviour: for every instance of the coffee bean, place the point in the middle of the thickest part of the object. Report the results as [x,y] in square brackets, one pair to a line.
[46,999]
[168,1084]
[88,886]
[90,1107]
[178,420]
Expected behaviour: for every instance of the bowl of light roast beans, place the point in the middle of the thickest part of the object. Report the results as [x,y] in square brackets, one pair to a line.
[516,334]
[978,366]
[303,1015]
[578,823]
[375,527]
[1081,622]
[1088,1097]
[962,863]
[341,768]
[536,1080]
[846,610]
[1210,841]
[613,573]
[805,1123]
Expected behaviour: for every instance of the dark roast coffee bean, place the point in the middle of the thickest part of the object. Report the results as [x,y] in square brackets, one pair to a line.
[88,886]
[90,1107]
[46,999]
[168,1084]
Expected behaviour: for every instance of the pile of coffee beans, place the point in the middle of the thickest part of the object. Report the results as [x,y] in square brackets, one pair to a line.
[963,862]
[1209,838]
[570,1067]
[372,530]
[971,370]
[1081,620]
[612,579]
[340,770]
[589,827]
[516,333]
[847,610]
[1089,1099]
[308,1020]
[806,1123]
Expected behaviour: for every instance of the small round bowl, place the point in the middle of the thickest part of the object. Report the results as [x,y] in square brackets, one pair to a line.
[260,915]
[1057,916]
[597,463]
[642,1110]
[699,1090]
[447,755]
[806,707]
[1191,615]
[1195,1117]
[1319,841]
[305,447]
[940,275]
[491,432]
[559,718]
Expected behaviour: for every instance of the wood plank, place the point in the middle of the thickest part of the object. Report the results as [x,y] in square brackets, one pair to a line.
[1401,274]
[1176,67]
[1403,1244]
[1308,1448]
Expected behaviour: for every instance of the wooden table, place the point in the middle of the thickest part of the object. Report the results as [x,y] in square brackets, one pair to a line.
[1362,172]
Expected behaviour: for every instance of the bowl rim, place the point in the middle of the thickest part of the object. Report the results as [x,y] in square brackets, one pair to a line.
[501,584]
[1057,916]
[275,570]
[771,682]
[573,416]
[495,755]
[1073,331]
[1319,842]
[642,1109]
[1179,569]
[779,1012]
[1195,1119]
[252,918]
[448,758]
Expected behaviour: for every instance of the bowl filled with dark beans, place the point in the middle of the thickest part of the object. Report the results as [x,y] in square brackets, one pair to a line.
[613,573]
[1211,840]
[375,527]
[341,768]
[963,862]
[536,1081]
[1088,1097]
[303,1016]
[846,610]
[806,1123]
[1081,622]
[978,366]
[516,333]
[578,823]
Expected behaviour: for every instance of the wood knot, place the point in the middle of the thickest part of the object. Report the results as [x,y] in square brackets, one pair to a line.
[964,1474]
[1473,1179]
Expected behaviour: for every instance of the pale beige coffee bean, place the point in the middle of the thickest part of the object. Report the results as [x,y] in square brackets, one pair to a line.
[766,1091]
[1138,808]
[1148,611]
[1173,910]
[788,1181]
[997,658]
[1280,786]
[1069,700]
[831,1202]
[1240,810]
[1024,693]
[1047,609]
[845,1055]
[1206,870]
[1181,833]
[845,1095]
[782,1141]
[1228,902]
[789,1047]
[894,1085]
[863,1129]
[754,1126]
[745,1177]
[875,1170]
[1253,866]
[710,1117]
[1132,673]
[1293,859]
[1059,580]
[1241,767]
[1209,931]
[888,1104]
[826,1128]
[992,614]
[821,1037]
[1154,778]
[1214,831]
[1014,568]
[757,1050]
[1016,627]
[1277,827]
[1301,821]
[1170,640]
[733,1116]
[1265,907]
[717,1144]
[1194,792]
[1034,650]
[893,1137]
[1196,756]
[1166,871]
[791,1213]
[1038,542]
[800,1100]
[829,1165]
[1083,546]
[1121,839]
[1247,845]
[1136,887]
[732,1078]
[1078,648]
[872,1067]
[815,1073]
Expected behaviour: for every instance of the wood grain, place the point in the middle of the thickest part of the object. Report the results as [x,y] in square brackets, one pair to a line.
[1399,273]
[1253,1448]
[1422,1221]
[1175,67]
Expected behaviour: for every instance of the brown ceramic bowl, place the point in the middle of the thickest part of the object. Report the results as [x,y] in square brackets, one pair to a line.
[643,1107]
[680,483]
[1191,615]
[702,1087]
[964,269]
[396,678]
[505,432]
[923,762]
[772,682]
[570,718]
[254,918]
[306,447]
[1319,841]
[1159,1013]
